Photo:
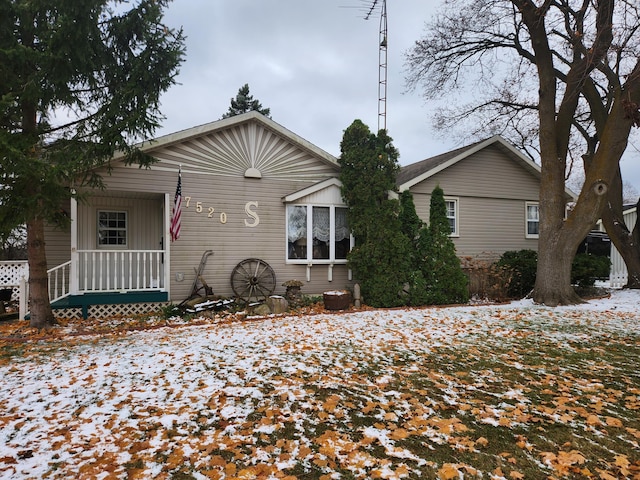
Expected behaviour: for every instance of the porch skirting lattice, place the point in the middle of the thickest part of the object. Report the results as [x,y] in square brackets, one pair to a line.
[112,310]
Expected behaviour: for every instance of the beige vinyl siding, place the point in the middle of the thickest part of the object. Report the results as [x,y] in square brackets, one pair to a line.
[229,193]
[487,173]
[492,226]
[58,242]
[234,240]
[328,196]
[230,153]
[213,169]
[492,191]
[144,221]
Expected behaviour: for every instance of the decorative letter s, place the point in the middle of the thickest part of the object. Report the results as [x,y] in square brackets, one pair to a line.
[251,214]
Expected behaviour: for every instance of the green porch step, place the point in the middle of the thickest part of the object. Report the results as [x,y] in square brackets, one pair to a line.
[84,301]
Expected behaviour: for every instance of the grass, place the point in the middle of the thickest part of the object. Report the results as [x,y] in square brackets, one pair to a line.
[526,397]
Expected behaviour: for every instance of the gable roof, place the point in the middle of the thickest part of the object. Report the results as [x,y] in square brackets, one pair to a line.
[415,173]
[148,146]
[311,189]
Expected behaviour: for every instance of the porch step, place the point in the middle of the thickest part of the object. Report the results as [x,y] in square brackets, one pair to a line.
[108,298]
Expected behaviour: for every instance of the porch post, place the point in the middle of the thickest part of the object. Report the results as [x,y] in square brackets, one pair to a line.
[73,273]
[166,243]
[23,304]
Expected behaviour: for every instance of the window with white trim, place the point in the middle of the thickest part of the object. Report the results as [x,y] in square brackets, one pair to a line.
[317,233]
[112,228]
[452,215]
[532,219]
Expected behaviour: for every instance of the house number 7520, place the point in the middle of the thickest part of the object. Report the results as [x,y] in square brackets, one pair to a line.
[200,208]
[210,211]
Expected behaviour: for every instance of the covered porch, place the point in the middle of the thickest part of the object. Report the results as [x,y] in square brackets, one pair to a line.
[118,253]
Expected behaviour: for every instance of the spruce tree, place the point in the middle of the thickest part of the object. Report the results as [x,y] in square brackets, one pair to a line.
[381,257]
[244,103]
[80,80]
[445,281]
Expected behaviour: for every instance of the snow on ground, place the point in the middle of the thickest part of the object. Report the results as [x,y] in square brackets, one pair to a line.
[114,406]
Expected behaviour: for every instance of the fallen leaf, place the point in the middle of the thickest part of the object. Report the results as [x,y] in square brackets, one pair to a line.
[448,472]
[614,422]
[482,441]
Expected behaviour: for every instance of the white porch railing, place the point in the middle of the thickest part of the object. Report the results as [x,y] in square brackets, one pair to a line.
[120,270]
[97,271]
[59,280]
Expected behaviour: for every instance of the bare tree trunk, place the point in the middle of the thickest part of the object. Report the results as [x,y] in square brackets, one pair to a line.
[39,306]
[553,277]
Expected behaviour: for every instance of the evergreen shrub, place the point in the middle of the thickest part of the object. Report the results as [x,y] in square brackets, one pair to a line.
[587,268]
[381,269]
[446,282]
[520,269]
[381,257]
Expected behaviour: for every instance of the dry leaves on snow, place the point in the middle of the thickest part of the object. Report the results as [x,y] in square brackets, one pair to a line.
[480,392]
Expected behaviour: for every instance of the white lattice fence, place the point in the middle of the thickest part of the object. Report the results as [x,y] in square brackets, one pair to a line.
[11,272]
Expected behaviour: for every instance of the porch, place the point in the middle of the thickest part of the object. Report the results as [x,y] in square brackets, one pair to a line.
[108,277]
[118,255]
[113,256]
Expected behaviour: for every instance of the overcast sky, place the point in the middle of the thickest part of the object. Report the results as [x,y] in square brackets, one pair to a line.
[314,64]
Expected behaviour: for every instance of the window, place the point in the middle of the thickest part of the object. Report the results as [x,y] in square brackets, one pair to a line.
[533,220]
[112,228]
[452,215]
[317,233]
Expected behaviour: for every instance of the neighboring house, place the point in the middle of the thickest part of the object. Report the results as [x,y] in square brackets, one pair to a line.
[250,189]
[492,195]
[618,275]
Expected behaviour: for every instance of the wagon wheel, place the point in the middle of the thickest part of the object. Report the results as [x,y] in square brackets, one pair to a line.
[253,278]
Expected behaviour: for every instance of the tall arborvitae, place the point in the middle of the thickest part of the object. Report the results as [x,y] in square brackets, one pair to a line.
[411,223]
[446,283]
[417,233]
[380,259]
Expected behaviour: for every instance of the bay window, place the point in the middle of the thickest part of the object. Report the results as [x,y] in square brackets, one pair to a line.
[317,233]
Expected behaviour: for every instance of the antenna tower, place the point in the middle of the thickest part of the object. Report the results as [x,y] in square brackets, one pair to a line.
[382,62]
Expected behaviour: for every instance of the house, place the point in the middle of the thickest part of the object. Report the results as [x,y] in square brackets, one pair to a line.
[260,206]
[491,191]
[618,275]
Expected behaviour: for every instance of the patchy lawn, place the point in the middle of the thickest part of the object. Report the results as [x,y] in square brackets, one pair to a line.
[513,391]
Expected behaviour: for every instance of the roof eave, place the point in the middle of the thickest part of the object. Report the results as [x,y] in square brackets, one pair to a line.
[164,141]
[316,187]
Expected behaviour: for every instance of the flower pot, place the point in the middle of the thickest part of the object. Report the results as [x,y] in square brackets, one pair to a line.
[337,300]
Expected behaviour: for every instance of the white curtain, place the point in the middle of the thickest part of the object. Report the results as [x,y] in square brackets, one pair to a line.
[342,227]
[297,222]
[321,224]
